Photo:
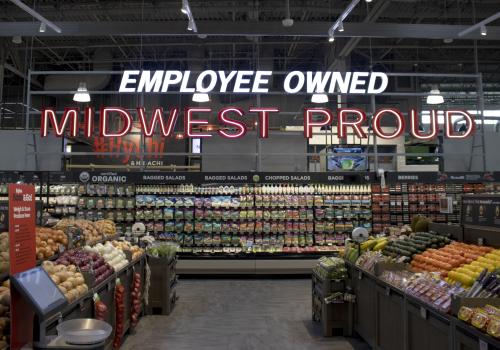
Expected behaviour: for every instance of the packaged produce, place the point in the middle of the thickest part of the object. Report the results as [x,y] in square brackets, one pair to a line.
[119,314]
[136,251]
[330,268]
[4,252]
[106,227]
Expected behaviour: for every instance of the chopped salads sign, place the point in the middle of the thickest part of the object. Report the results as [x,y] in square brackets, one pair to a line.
[157,121]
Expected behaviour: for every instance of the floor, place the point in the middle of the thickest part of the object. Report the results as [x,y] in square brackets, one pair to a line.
[238,315]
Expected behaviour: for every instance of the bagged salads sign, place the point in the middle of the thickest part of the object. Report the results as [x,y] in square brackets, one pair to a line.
[158,122]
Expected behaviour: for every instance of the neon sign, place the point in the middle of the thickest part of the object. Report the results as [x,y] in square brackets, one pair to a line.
[231,125]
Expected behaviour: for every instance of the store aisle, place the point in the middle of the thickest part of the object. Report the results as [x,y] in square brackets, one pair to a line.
[238,314]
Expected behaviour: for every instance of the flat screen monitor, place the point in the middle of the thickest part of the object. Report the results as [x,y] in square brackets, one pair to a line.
[36,286]
[352,160]
[196,146]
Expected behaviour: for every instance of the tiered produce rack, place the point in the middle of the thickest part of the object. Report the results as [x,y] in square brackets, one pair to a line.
[289,240]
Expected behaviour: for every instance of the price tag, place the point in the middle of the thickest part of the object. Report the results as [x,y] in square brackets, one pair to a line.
[387,291]
[423,312]
[360,275]
[483,345]
[480,241]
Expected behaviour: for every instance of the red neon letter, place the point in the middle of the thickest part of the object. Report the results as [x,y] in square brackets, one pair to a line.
[157,117]
[343,123]
[263,120]
[89,122]
[124,115]
[309,123]
[378,130]
[188,123]
[50,115]
[471,125]
[433,125]
[239,125]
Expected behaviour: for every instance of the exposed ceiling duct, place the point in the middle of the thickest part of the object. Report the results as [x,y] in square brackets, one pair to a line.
[70,82]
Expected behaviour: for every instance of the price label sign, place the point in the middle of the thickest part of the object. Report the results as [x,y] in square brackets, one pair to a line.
[423,312]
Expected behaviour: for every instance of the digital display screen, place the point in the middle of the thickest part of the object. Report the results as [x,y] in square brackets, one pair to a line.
[196,146]
[353,161]
[36,286]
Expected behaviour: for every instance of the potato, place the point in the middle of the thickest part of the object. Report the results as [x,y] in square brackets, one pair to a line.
[5,299]
[69,297]
[78,275]
[79,281]
[67,285]
[74,293]
[82,289]
[63,290]
[56,279]
[72,268]
[72,280]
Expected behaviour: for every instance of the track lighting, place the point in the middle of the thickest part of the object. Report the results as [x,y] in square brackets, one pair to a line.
[17,39]
[185,6]
[331,39]
[42,28]
[341,27]
[186,9]
[484,31]
[368,0]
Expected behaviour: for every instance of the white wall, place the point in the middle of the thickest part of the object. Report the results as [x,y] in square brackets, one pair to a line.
[17,152]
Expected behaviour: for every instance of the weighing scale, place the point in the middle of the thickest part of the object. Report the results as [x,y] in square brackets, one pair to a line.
[47,301]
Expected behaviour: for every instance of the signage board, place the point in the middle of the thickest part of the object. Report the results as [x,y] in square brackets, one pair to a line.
[22,251]
[481,210]
[215,178]
[444,177]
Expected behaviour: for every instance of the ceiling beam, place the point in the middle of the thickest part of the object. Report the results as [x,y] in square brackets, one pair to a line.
[231,29]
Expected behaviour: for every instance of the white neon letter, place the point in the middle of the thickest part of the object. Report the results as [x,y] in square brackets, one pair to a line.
[471,125]
[356,125]
[124,115]
[188,122]
[157,117]
[309,123]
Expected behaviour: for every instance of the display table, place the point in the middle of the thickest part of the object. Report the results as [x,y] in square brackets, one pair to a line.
[389,319]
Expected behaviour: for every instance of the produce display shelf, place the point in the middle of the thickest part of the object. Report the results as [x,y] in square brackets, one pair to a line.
[417,318]
[476,333]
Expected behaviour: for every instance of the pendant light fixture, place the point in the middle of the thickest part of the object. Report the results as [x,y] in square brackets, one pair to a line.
[434,97]
[82,94]
[319,98]
[201,97]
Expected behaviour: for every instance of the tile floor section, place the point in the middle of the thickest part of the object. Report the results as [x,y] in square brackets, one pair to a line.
[244,314]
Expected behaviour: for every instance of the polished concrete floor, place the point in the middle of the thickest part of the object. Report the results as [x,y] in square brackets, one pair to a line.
[244,314]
